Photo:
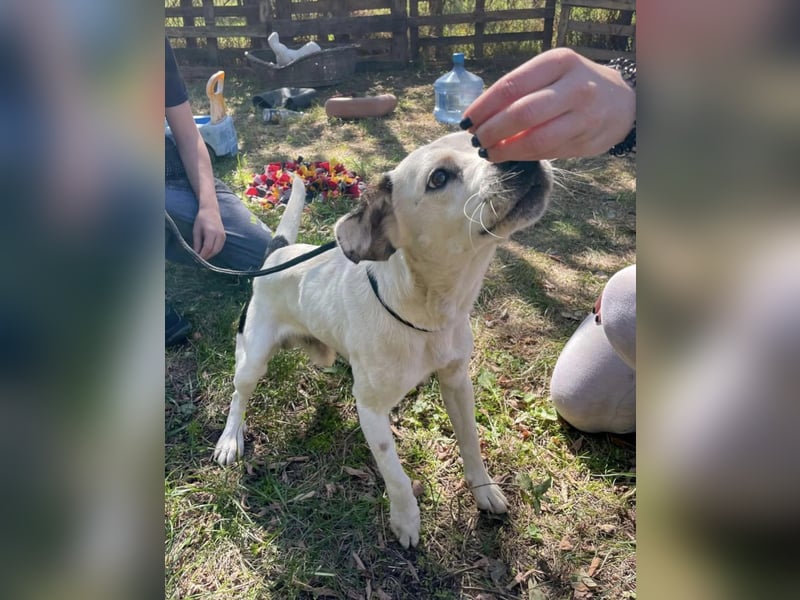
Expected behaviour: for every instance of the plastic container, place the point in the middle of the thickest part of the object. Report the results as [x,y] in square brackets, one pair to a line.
[455,91]
[220,137]
[280,115]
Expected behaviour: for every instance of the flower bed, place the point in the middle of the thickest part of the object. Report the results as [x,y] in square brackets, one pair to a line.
[322,179]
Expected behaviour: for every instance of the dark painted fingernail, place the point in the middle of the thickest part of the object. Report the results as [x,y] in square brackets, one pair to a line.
[466,123]
[483,153]
[476,143]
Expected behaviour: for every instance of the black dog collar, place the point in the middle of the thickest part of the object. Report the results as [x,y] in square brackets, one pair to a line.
[374,284]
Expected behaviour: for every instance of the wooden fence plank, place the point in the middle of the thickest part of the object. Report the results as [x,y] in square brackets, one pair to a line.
[602,28]
[332,25]
[217,31]
[488,17]
[187,10]
[489,38]
[607,4]
[338,6]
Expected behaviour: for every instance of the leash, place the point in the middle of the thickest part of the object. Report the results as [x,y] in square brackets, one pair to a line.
[281,267]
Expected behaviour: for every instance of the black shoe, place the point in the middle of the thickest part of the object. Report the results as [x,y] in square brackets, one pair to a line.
[176,328]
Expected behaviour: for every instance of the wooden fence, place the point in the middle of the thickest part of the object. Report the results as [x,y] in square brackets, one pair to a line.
[389,33]
[611,33]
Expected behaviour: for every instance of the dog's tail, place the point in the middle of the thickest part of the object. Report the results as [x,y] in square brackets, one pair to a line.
[290,221]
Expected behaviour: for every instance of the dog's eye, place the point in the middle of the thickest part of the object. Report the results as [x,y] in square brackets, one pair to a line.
[437,179]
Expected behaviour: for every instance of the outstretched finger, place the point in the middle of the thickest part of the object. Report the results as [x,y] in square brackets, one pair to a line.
[558,138]
[539,72]
[530,112]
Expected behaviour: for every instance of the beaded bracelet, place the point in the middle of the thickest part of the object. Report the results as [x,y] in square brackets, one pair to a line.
[626,68]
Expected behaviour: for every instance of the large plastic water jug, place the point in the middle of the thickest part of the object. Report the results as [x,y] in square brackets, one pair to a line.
[455,91]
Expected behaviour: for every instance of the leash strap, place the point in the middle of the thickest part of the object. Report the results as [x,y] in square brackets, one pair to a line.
[261,272]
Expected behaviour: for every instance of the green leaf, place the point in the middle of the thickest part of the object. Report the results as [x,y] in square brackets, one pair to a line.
[545,413]
[541,488]
[533,533]
[487,380]
[523,480]
[533,493]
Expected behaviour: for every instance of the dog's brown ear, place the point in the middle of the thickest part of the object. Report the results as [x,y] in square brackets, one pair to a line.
[367,232]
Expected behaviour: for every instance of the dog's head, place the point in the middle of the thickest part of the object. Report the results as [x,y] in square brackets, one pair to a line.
[443,199]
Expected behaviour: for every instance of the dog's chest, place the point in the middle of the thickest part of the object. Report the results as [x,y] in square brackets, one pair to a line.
[386,377]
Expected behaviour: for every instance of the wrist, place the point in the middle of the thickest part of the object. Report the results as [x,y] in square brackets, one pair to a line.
[207,202]
[627,69]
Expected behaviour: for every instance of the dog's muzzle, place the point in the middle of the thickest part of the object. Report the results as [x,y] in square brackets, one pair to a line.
[528,185]
[519,166]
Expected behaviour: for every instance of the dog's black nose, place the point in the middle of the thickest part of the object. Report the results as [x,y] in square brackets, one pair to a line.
[518,166]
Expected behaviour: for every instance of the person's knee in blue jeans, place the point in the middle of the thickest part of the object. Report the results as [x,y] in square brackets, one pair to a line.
[246,237]
[246,241]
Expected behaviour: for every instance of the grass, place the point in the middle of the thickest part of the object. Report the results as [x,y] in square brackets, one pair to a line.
[305,515]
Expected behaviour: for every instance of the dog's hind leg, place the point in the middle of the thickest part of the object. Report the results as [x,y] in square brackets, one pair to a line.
[252,355]
[403,511]
[459,399]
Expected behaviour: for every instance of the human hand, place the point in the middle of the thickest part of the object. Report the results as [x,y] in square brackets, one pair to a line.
[208,234]
[557,105]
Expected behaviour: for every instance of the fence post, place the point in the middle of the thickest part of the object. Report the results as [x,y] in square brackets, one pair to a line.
[563,20]
[480,27]
[549,20]
[188,22]
[399,51]
[211,42]
[413,30]
[436,8]
[283,10]
[253,18]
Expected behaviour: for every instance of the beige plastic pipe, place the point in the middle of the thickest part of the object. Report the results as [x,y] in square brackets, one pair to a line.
[214,88]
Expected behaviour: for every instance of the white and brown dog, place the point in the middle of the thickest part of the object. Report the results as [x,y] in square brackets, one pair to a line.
[394,300]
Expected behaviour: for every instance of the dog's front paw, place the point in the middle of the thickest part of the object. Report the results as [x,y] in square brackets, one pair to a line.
[405,524]
[490,497]
[230,446]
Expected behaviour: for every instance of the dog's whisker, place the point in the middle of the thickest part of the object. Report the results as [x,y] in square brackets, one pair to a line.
[471,219]
[559,184]
[566,174]
[492,207]
[464,210]
[486,229]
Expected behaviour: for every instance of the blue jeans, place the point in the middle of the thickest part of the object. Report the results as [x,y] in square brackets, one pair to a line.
[246,236]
